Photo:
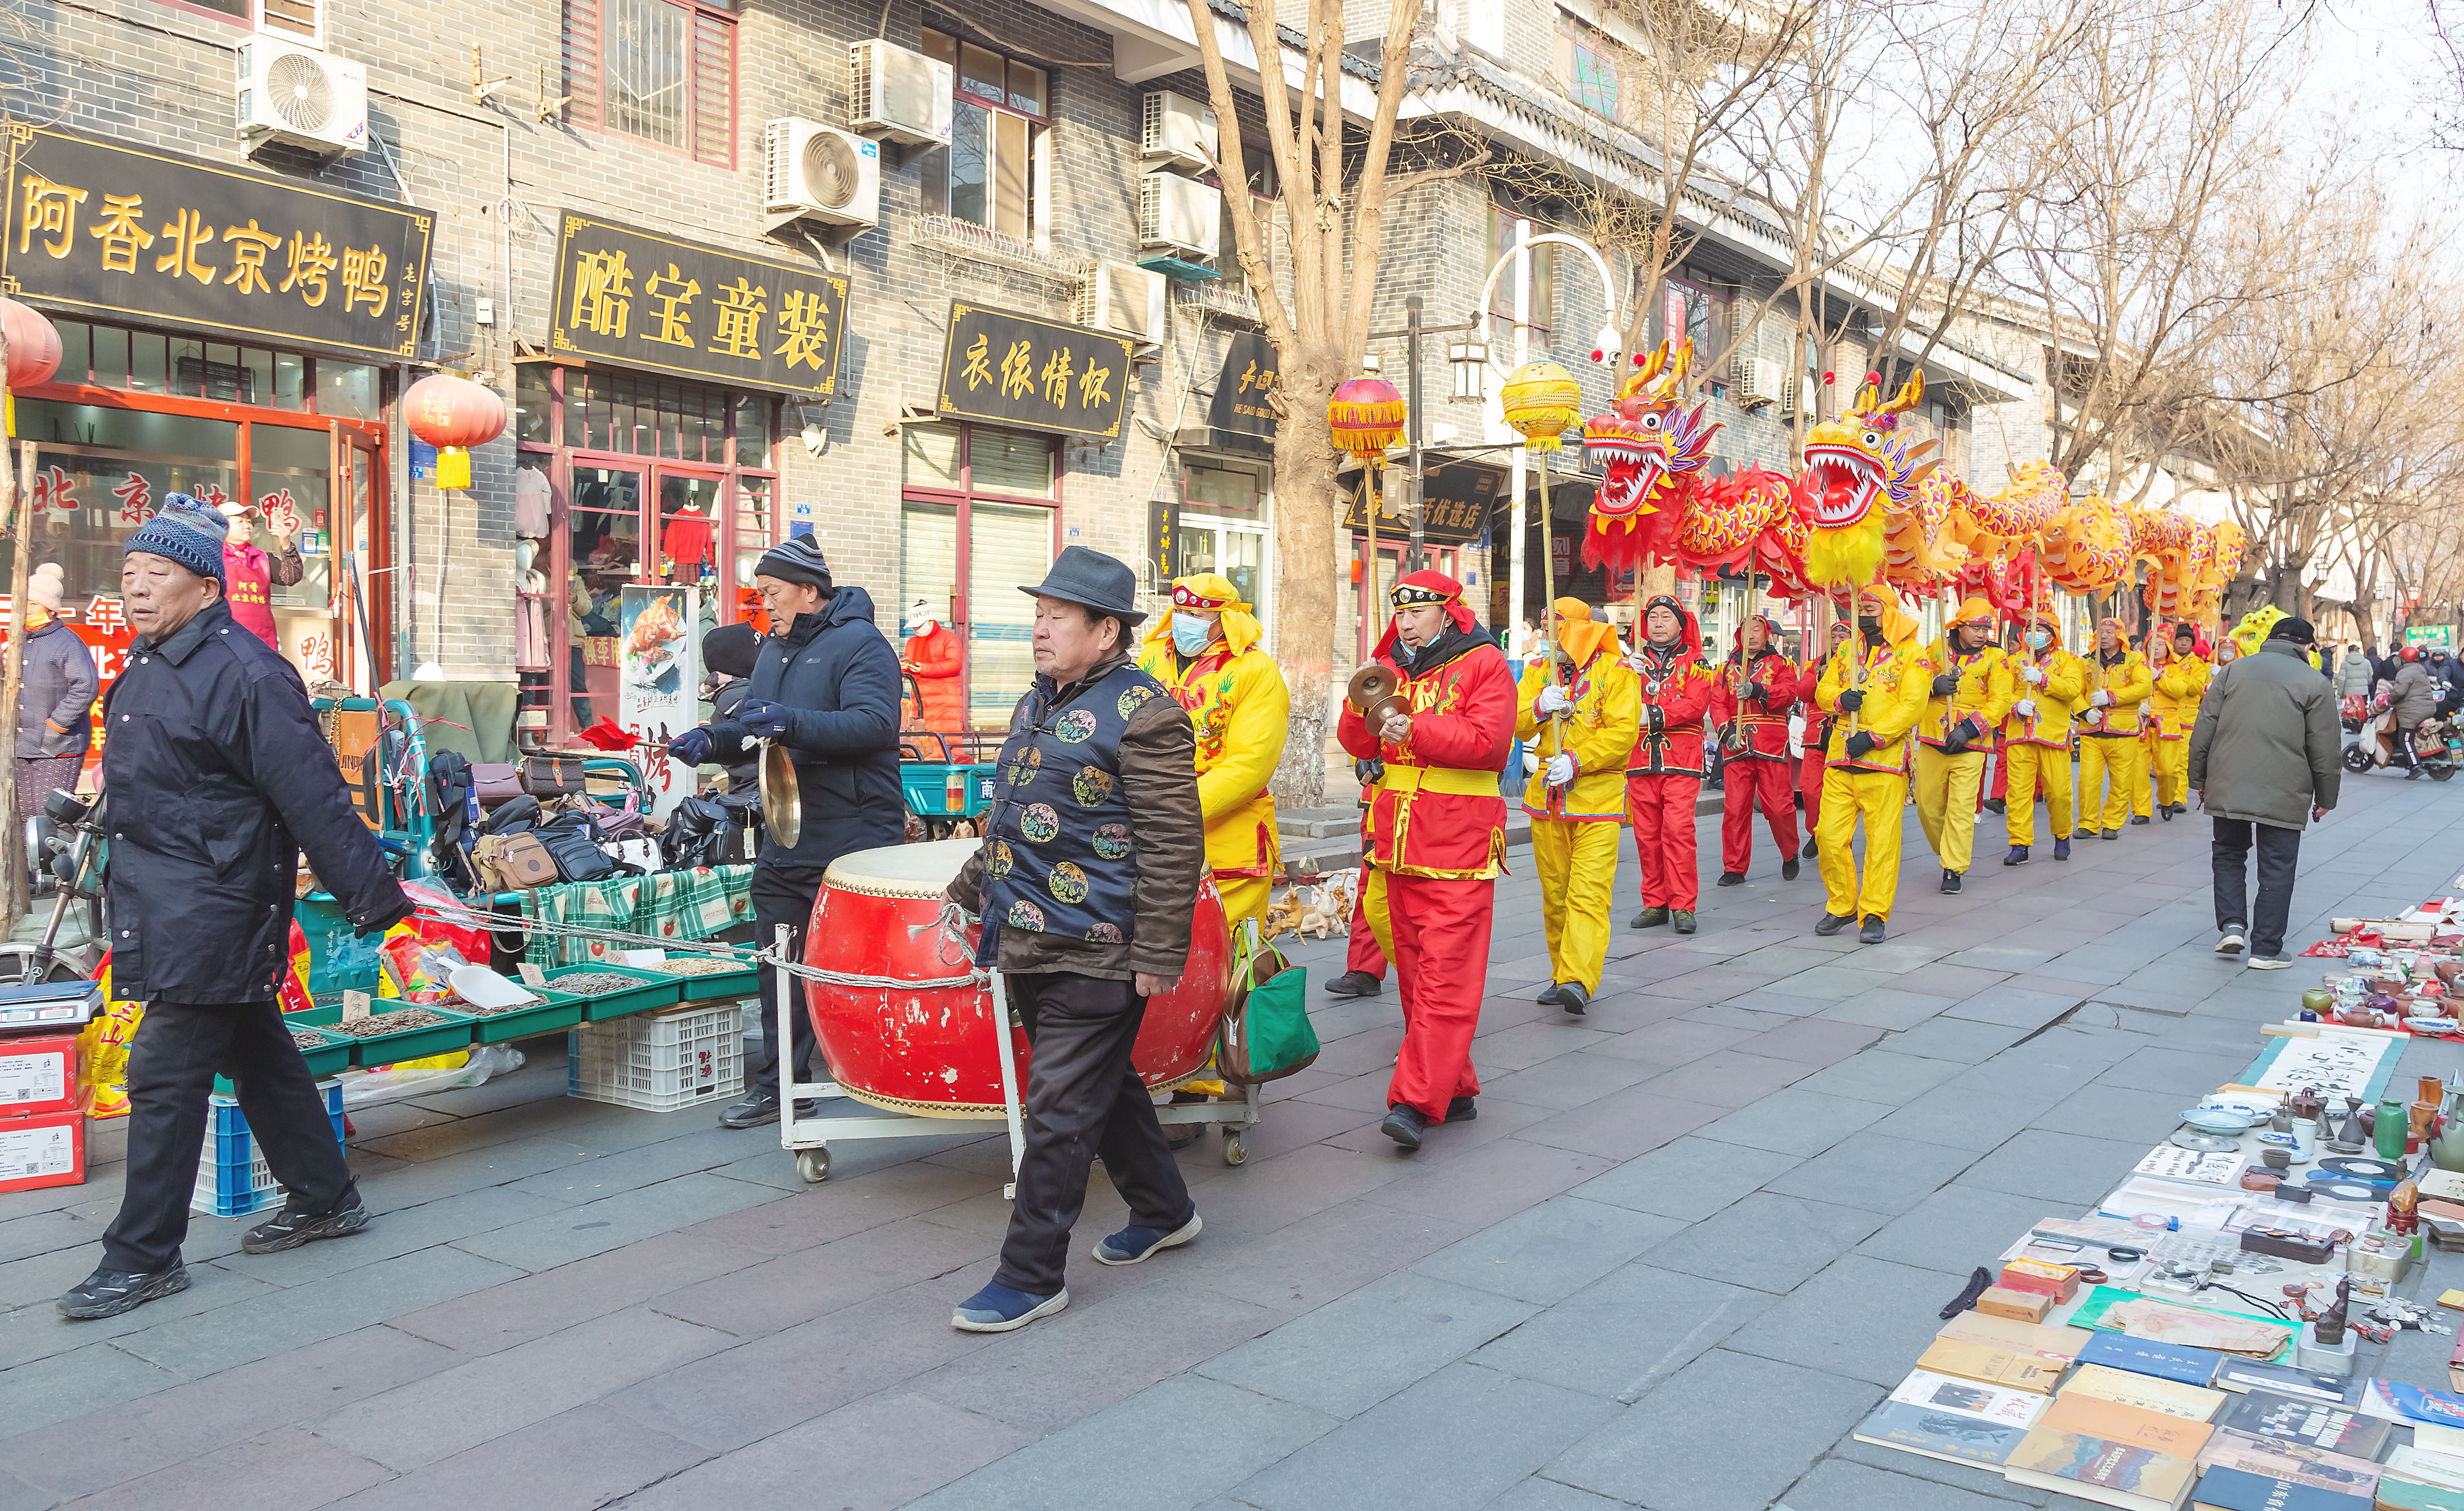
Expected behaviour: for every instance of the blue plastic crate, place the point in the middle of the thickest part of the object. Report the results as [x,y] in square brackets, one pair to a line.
[233,1178]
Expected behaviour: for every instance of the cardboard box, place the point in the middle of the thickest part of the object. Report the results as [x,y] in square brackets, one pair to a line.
[2028,1307]
[2060,1281]
[43,1149]
[37,1074]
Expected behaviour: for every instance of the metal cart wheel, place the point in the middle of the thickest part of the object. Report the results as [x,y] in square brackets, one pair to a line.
[1235,1151]
[813,1164]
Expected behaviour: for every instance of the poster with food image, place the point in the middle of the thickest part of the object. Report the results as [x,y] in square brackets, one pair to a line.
[659,677]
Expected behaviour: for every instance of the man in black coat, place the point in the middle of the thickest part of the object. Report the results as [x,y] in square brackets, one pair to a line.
[216,780]
[824,685]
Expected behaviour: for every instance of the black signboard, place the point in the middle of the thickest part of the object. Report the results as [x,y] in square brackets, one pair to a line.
[642,300]
[1240,404]
[1163,538]
[1458,498]
[99,229]
[1020,369]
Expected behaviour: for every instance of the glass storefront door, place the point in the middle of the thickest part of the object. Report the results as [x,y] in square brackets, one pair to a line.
[603,542]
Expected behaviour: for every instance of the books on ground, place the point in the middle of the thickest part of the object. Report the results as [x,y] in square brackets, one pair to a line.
[2115,1455]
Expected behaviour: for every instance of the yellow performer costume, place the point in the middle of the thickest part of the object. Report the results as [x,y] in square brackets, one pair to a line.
[1576,795]
[2117,684]
[1866,773]
[2037,738]
[1970,687]
[1237,698]
[2182,681]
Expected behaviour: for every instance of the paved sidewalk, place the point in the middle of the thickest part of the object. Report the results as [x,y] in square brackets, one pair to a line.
[1688,1242]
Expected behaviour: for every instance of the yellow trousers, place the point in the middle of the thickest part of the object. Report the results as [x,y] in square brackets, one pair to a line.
[1947,787]
[1577,862]
[2140,805]
[2172,771]
[1244,897]
[2027,762]
[1875,797]
[2108,769]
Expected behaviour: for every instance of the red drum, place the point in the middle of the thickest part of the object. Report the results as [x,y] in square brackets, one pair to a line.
[928,1050]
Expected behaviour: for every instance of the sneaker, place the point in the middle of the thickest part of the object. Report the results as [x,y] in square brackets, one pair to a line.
[1648,918]
[1356,983]
[1463,1109]
[2139,818]
[2110,834]
[1683,920]
[1997,805]
[1830,924]
[2061,849]
[2279,961]
[1732,878]
[1811,849]
[1403,1124]
[2231,940]
[1950,881]
[763,1106]
[1873,932]
[996,1308]
[1572,996]
[2018,856]
[290,1229]
[1787,869]
[1549,994]
[107,1293]
[1134,1243]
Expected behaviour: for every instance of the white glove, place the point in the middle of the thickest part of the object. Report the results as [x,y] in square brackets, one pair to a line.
[1553,699]
[1396,729]
[2026,706]
[2099,699]
[2032,677]
[1561,770]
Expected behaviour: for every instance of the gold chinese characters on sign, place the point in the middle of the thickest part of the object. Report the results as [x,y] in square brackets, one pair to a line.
[649,300]
[1025,370]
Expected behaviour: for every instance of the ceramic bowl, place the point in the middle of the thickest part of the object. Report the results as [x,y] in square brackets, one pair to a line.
[2219,1120]
[2433,1025]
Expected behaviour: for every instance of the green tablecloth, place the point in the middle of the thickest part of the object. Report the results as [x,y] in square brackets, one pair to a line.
[681,905]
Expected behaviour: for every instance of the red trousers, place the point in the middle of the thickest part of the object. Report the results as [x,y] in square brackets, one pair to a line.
[1745,785]
[1809,781]
[1364,955]
[1439,930]
[1662,811]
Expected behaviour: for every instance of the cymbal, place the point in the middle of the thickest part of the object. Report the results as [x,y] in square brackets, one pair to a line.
[1375,689]
[782,810]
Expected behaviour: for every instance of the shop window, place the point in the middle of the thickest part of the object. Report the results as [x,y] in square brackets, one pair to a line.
[1539,265]
[962,546]
[1699,313]
[992,172]
[297,20]
[533,419]
[660,70]
[1223,528]
[139,362]
[1586,65]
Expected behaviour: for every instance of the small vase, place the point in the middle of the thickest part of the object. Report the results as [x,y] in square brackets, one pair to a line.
[2388,1133]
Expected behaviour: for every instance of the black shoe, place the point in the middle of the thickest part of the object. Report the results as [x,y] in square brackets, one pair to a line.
[2139,818]
[1356,983]
[1180,1135]
[1732,878]
[1873,932]
[763,1106]
[1950,881]
[1550,994]
[2110,834]
[1810,851]
[1787,869]
[1463,1109]
[1572,996]
[2166,812]
[1403,1124]
[1648,918]
[2018,856]
[107,1293]
[1830,924]
[1997,805]
[1684,920]
[291,1229]
[2061,849]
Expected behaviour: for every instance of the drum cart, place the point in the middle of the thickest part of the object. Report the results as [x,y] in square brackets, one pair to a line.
[809,1139]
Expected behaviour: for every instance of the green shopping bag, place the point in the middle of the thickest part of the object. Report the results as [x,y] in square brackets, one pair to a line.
[1266,1033]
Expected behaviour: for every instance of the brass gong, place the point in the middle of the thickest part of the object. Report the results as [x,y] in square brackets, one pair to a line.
[782,812]
[1373,691]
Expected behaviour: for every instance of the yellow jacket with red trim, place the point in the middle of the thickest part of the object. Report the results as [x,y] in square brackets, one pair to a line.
[1987,689]
[2125,684]
[1600,731]
[1243,711]
[2173,707]
[1895,690]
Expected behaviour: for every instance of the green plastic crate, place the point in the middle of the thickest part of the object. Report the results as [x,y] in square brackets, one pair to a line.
[456,1032]
[717,983]
[559,1012]
[657,990]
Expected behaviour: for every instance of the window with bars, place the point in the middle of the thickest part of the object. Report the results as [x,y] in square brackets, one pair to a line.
[660,70]
[292,20]
[992,172]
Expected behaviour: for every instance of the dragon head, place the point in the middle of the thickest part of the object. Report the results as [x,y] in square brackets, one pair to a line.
[1866,456]
[1650,444]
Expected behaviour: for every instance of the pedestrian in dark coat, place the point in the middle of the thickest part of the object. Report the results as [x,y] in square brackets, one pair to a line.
[2265,761]
[216,778]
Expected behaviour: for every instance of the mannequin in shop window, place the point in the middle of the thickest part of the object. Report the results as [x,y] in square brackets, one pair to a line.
[934,659]
[686,543]
[254,575]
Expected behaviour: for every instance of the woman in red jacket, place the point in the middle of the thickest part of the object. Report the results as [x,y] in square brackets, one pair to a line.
[1818,736]
[1664,773]
[934,659]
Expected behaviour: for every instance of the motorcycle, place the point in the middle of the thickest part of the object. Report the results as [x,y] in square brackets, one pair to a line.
[2438,744]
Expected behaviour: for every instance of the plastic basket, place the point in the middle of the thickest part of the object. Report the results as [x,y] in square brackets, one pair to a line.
[233,1178]
[658,990]
[659,1061]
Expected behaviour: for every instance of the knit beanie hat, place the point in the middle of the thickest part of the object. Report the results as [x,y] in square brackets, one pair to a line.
[729,649]
[187,532]
[795,560]
[49,586]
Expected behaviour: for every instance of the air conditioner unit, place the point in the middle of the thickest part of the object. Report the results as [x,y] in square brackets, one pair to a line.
[1180,214]
[1177,130]
[1764,380]
[1124,300]
[904,95]
[820,172]
[1797,397]
[301,97]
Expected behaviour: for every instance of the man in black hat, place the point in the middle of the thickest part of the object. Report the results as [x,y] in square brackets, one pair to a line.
[824,685]
[1086,880]
[2266,759]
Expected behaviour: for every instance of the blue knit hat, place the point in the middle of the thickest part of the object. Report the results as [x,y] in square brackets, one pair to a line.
[798,558]
[185,531]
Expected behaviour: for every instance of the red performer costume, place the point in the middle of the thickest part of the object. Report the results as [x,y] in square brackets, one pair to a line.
[1753,690]
[1816,739]
[1437,834]
[1664,773]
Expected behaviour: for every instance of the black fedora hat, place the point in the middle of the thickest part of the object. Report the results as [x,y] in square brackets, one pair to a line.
[1102,583]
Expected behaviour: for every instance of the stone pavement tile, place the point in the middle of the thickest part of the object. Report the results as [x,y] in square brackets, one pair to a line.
[1960,1227]
[1778,1001]
[286,1467]
[1351,1353]
[1492,1182]
[1888,1007]
[1952,1039]
[1416,1438]
[1264,1196]
[1680,1448]
[1881,1073]
[843,1205]
[1174,1444]
[1284,1127]
[1986,1482]
[1786,959]
[39,1278]
[873,1454]
[1713,983]
[479,1401]
[1364,1093]
[102,1446]
[1816,1042]
[1837,1485]
[1573,1080]
[2060,1169]
[563,1118]
[408,1183]
[1550,1252]
[1766,1241]
[595,1227]
[1535,1494]
[2115,1112]
[1942,978]
[1729,1078]
[1323,1256]
[1361,1052]
[1673,1043]
[1688,1179]
[44,1232]
[1838,984]
[517,1312]
[1298,1081]
[1899,954]
[274,1322]
[1861,1317]
[1624,1334]
[1527,1044]
[398,1117]
[1794,1121]
[397,1232]
[1875,1172]
[1494,1118]
[1727,1015]
[647,1164]
[1087,1357]
[1625,1124]
[1624,1012]
[797,1287]
[575,1460]
[2177,1072]
[68,1385]
[2010,1007]
[2009,957]
[35,1330]
[723,1401]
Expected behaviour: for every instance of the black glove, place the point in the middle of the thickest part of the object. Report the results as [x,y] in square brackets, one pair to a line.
[1859,745]
[1657,718]
[402,909]
[1852,700]
[1756,691]
[1946,684]
[1956,742]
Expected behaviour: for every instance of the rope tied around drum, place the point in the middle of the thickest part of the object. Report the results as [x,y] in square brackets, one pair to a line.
[952,921]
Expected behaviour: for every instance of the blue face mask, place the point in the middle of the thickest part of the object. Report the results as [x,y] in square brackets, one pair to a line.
[2040,638]
[1190,633]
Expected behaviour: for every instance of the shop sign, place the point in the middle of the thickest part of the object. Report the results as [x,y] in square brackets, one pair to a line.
[1242,391]
[1456,502]
[1163,546]
[646,300]
[1024,370]
[2428,635]
[132,232]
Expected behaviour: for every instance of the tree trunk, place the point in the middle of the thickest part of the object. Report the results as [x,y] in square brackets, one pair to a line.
[1308,558]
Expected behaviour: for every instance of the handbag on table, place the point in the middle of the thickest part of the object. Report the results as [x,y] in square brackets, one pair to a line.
[495,781]
[545,776]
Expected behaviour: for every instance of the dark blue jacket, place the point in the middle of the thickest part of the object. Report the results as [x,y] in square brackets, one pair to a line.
[216,778]
[841,678]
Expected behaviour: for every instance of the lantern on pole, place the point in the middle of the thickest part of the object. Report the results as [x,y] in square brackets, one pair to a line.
[1367,417]
[33,344]
[453,414]
[1541,400]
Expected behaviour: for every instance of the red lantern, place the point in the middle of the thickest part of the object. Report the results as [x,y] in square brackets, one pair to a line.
[453,414]
[33,344]
[1367,417]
